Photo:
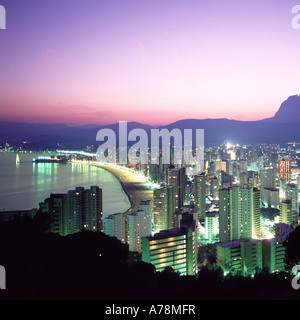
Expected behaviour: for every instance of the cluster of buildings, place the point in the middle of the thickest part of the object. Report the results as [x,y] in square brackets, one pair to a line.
[222,206]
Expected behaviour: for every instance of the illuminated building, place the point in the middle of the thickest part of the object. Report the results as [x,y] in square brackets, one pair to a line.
[239,213]
[138,226]
[284,170]
[114,226]
[274,249]
[163,208]
[200,195]
[270,197]
[212,226]
[267,178]
[223,166]
[177,179]
[85,209]
[256,227]
[146,205]
[242,256]
[77,210]
[286,212]
[214,188]
[292,193]
[249,256]
[93,217]
[176,248]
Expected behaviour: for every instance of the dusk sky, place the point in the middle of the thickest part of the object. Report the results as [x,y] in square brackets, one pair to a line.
[152,61]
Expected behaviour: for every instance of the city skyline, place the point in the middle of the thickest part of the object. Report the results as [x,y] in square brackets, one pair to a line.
[100,62]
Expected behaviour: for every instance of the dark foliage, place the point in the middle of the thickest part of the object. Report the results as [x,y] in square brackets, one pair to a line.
[292,245]
[91,265]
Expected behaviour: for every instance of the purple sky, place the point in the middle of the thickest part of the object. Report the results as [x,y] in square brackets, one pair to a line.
[152,61]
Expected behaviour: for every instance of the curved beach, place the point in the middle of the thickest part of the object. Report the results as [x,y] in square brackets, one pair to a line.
[135,189]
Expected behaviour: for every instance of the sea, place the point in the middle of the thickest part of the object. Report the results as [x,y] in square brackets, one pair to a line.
[25,184]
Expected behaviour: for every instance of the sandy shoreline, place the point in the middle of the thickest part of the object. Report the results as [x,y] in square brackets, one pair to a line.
[135,189]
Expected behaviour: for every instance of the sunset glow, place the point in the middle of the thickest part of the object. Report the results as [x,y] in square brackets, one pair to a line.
[155,62]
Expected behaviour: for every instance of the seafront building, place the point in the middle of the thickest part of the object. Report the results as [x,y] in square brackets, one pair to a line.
[146,205]
[75,211]
[57,206]
[114,226]
[138,226]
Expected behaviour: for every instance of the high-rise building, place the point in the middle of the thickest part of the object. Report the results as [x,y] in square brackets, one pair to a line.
[256,227]
[239,213]
[212,226]
[85,209]
[77,210]
[163,208]
[274,249]
[176,248]
[284,170]
[214,188]
[56,206]
[200,195]
[285,212]
[270,197]
[177,179]
[292,193]
[267,178]
[114,226]
[242,256]
[93,218]
[146,205]
[139,226]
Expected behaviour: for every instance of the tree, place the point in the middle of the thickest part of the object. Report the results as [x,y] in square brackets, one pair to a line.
[292,245]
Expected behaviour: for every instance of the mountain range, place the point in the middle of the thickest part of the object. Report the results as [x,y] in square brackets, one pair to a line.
[283,127]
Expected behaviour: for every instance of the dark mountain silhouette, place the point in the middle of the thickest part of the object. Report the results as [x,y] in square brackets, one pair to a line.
[289,111]
[282,128]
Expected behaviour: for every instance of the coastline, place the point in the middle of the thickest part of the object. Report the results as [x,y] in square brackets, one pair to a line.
[135,189]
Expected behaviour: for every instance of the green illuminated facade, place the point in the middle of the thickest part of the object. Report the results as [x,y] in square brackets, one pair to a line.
[244,257]
[248,256]
[163,208]
[174,248]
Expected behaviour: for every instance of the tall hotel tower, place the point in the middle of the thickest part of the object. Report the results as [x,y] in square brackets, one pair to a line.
[200,193]
[239,213]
